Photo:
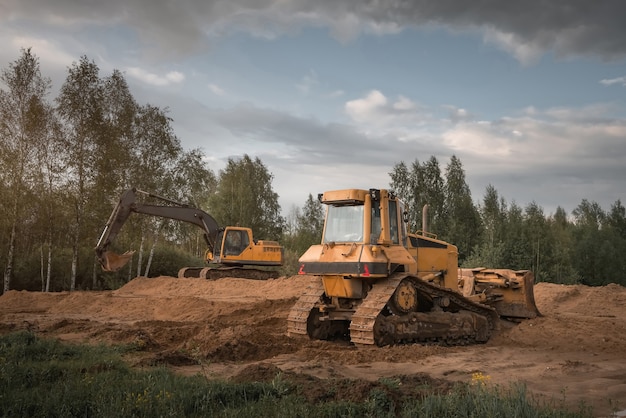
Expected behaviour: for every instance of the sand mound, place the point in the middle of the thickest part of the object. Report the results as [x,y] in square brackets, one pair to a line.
[237,328]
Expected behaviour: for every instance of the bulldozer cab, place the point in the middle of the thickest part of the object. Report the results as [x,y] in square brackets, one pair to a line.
[363,216]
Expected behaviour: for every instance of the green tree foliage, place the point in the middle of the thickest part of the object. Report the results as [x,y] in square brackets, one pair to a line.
[588,218]
[309,225]
[431,188]
[195,184]
[491,249]
[585,249]
[451,213]
[616,227]
[24,121]
[193,181]
[493,213]
[516,249]
[152,152]
[599,243]
[303,228]
[460,214]
[402,182]
[560,269]
[155,152]
[116,138]
[245,197]
[421,185]
[536,240]
[65,166]
[81,106]
[49,178]
[513,237]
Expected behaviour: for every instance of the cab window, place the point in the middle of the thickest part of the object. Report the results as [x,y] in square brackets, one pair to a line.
[376,225]
[235,242]
[393,222]
[344,224]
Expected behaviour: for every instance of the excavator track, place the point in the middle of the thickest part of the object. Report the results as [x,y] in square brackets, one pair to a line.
[299,313]
[460,322]
[214,273]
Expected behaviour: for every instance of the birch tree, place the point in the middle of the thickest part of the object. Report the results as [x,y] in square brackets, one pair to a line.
[20,105]
[194,183]
[49,134]
[80,106]
[154,151]
[245,197]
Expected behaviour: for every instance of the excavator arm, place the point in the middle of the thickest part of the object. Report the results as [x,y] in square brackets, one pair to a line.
[128,204]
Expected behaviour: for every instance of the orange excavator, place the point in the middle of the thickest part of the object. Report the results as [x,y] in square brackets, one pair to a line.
[232,250]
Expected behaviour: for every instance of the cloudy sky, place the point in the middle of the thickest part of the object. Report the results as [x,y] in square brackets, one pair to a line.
[329,94]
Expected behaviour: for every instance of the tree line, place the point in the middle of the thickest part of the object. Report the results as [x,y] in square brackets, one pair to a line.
[586,246]
[65,162]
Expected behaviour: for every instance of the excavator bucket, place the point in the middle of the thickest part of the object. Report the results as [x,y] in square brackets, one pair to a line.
[111,261]
[510,292]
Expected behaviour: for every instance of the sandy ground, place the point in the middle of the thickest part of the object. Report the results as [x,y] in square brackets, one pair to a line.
[575,352]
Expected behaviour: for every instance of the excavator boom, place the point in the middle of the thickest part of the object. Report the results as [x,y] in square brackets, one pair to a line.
[128,204]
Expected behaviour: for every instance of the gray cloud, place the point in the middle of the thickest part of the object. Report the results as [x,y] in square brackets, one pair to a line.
[617,80]
[553,156]
[307,140]
[525,29]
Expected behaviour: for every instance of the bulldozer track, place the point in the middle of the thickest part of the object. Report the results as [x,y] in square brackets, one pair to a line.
[363,319]
[299,313]
[465,322]
[367,323]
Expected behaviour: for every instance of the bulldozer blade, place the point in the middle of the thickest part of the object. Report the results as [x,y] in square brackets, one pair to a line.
[520,301]
[111,261]
[510,292]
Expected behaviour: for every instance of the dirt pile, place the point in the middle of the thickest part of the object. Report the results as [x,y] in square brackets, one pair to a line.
[236,328]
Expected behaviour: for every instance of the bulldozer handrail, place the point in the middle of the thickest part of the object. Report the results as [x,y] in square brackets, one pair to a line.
[425,233]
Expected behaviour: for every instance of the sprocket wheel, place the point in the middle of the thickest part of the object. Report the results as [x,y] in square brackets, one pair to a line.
[404,299]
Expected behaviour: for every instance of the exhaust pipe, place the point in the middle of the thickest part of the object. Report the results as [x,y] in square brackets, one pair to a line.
[425,218]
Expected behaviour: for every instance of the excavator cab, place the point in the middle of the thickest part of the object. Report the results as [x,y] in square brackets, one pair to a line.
[235,245]
[235,241]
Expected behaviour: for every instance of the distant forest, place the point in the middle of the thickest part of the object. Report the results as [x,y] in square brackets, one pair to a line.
[587,246]
[65,162]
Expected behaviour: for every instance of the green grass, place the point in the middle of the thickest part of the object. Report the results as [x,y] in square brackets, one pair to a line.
[47,378]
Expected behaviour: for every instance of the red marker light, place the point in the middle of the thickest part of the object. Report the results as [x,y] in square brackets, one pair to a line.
[366,270]
[301,270]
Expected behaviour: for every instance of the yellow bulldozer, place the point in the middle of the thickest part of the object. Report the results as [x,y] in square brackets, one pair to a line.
[232,250]
[377,283]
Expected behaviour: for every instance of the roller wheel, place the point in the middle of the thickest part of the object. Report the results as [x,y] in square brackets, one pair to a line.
[316,329]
